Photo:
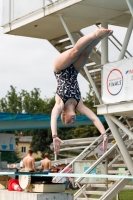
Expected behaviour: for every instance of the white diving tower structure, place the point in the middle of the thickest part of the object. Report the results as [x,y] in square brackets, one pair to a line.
[60,22]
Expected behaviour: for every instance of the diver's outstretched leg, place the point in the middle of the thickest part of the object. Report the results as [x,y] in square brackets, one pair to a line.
[83,58]
[68,57]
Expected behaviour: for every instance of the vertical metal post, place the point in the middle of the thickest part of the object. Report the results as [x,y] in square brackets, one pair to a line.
[55,156]
[43,3]
[10,14]
[126,40]
[104,46]
[117,196]
[104,53]
[106,171]
[12,10]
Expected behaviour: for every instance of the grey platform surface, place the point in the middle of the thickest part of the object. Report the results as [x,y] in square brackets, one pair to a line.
[14,195]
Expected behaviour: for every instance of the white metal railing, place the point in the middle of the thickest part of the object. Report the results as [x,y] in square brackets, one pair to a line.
[15,9]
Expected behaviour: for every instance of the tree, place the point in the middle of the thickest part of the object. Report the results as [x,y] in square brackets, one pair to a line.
[10,157]
[32,103]
[41,140]
[26,102]
[12,102]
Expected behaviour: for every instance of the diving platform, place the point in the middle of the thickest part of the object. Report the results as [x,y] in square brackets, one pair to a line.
[116,109]
[40,19]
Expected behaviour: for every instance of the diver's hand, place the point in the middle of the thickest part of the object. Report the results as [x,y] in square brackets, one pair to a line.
[56,143]
[104,141]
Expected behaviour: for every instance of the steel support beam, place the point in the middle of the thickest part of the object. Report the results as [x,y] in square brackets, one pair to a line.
[125,130]
[126,40]
[130,6]
[67,29]
[93,85]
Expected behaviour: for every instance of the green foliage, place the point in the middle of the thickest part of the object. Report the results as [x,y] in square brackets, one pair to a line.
[26,102]
[10,157]
[125,195]
[85,131]
[41,141]
[31,101]
[12,102]
[89,100]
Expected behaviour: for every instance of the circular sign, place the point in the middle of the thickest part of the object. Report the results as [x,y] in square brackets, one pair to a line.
[114,82]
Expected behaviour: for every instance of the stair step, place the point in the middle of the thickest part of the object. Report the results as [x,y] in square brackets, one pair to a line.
[80,198]
[121,159]
[95,74]
[98,192]
[119,165]
[116,172]
[100,185]
[131,152]
[92,67]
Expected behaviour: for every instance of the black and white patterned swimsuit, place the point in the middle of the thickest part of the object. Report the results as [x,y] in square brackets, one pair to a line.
[68,86]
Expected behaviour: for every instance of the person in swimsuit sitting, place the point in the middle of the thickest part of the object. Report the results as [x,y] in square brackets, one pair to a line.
[68,97]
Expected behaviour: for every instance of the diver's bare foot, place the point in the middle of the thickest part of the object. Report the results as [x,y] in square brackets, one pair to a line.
[108,33]
[102,32]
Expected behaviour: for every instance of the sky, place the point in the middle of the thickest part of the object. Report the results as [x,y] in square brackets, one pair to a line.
[27,63]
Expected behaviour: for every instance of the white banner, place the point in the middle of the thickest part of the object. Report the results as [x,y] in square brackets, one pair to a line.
[7,142]
[118,81]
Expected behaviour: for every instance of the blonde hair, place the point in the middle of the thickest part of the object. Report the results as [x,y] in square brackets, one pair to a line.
[62,118]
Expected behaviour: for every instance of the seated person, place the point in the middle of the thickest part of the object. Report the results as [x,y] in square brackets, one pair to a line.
[46,163]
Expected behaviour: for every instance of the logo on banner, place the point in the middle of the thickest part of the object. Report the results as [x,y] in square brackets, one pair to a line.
[129,71]
[114,82]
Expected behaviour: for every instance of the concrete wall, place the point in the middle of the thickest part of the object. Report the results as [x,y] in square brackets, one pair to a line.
[13,195]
